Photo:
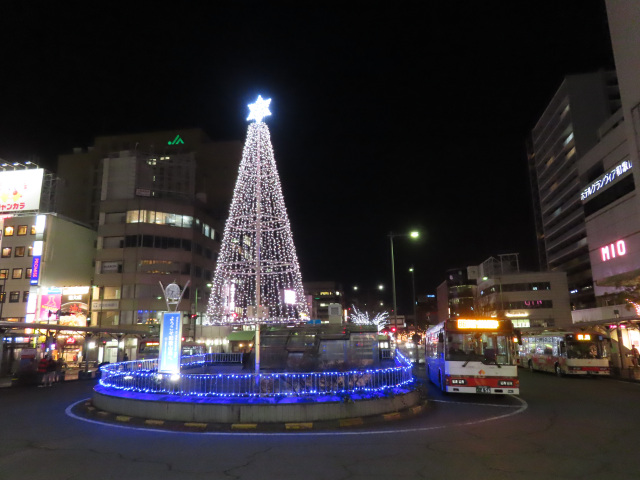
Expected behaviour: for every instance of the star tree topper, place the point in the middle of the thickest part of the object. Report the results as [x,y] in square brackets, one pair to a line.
[259,110]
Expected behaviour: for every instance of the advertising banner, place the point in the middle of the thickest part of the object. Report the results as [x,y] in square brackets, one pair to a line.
[20,190]
[170,343]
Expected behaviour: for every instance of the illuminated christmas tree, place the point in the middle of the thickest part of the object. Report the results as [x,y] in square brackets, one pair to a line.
[257,277]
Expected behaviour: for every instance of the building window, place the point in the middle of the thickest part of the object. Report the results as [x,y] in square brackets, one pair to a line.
[33,229]
[27,273]
[22,230]
[25,296]
[30,251]
[4,274]
[14,297]
[16,273]
[19,252]
[6,252]
[8,231]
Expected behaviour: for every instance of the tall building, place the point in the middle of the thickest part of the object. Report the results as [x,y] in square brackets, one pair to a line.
[567,129]
[46,265]
[157,201]
[456,295]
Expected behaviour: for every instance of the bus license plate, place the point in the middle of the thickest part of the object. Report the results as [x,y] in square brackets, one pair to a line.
[483,389]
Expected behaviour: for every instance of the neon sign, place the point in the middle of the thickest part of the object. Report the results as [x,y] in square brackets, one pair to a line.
[606,179]
[476,324]
[35,270]
[176,141]
[613,250]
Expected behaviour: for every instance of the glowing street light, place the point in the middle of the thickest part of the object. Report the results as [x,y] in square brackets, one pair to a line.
[413,234]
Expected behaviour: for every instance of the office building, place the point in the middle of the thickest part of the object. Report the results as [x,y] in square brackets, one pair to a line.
[567,129]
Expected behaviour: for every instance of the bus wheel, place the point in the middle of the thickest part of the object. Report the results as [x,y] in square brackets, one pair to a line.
[559,371]
[530,366]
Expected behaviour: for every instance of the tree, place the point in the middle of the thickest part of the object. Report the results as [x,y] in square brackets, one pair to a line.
[257,276]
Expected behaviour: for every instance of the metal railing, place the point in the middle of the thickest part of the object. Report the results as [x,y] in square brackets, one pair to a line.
[143,376]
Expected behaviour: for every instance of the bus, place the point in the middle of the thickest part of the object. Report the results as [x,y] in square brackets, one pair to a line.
[472,355]
[565,352]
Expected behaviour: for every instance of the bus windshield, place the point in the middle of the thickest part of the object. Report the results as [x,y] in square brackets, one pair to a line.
[577,349]
[486,347]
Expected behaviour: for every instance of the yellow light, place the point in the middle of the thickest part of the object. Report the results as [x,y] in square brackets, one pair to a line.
[476,324]
[583,336]
[414,234]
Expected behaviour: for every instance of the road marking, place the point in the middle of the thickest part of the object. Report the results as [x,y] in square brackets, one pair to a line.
[523,406]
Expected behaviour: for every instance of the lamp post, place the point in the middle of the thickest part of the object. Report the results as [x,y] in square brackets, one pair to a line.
[393,270]
[413,300]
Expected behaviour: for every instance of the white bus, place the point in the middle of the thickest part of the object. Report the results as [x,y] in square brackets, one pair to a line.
[565,352]
[472,355]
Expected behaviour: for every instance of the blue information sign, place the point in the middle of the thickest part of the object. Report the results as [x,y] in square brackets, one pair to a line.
[170,343]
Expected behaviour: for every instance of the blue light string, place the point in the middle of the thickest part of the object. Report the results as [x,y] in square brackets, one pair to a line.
[142,377]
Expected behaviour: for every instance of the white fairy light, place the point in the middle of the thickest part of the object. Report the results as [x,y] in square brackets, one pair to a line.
[362,318]
[257,245]
[259,109]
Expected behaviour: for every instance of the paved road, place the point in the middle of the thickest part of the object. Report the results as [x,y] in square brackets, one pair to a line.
[559,428]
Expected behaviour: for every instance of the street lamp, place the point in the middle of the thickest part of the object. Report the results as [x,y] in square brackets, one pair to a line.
[413,234]
[413,300]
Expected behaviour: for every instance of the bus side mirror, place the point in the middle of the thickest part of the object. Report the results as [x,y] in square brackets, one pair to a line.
[441,337]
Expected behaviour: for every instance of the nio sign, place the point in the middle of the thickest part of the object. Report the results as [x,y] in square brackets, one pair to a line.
[613,250]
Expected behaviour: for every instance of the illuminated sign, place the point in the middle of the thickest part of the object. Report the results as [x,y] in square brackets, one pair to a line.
[290,297]
[476,324]
[170,343]
[606,179]
[521,323]
[176,141]
[35,270]
[583,336]
[49,306]
[613,250]
[20,190]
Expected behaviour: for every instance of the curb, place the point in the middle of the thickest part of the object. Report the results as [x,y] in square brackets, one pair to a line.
[87,410]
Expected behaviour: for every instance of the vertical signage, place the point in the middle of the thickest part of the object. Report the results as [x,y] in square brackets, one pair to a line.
[170,343]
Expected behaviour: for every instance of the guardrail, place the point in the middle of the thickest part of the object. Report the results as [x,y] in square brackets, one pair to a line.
[143,376]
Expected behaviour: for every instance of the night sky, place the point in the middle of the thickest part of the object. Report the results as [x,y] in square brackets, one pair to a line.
[384,118]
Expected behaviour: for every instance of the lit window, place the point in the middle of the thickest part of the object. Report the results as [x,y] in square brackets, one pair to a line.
[19,252]
[8,231]
[25,296]
[4,273]
[6,252]
[22,229]
[27,273]
[14,297]
[30,251]
[33,229]
[16,273]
